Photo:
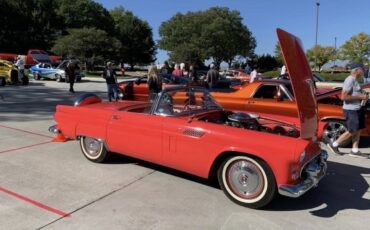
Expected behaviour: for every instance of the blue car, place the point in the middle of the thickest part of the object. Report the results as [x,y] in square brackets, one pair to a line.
[46,71]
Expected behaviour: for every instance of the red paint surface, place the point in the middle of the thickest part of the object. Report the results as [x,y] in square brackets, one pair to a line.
[36,203]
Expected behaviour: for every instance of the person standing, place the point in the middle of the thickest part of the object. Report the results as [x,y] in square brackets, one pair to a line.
[20,65]
[70,71]
[111,79]
[283,70]
[192,74]
[212,77]
[154,83]
[253,75]
[367,74]
[165,68]
[353,111]
[177,71]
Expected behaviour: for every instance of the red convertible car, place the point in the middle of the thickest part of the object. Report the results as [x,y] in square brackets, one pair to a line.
[253,157]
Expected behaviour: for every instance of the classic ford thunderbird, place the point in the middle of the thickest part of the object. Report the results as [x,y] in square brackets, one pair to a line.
[253,157]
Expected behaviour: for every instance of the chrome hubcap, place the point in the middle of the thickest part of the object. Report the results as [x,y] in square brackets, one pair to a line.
[245,179]
[333,130]
[92,146]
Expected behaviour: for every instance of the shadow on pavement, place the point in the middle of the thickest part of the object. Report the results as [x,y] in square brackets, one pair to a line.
[35,101]
[341,189]
[122,159]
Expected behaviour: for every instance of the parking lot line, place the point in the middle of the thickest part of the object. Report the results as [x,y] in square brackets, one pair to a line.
[24,147]
[36,203]
[25,131]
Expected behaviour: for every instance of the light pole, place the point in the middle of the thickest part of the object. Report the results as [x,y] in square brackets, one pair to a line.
[317,29]
[335,49]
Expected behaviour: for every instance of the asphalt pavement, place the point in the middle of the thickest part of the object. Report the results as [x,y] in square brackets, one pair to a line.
[47,185]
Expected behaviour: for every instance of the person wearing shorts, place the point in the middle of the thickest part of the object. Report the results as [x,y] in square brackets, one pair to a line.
[354,113]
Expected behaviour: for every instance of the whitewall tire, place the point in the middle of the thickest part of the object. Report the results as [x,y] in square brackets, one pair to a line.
[247,181]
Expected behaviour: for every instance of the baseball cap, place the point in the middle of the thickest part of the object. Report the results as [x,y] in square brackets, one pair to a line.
[357,65]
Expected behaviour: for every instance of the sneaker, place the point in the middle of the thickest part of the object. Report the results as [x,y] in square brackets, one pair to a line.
[359,155]
[335,150]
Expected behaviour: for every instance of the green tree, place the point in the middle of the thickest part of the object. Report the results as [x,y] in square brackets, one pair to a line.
[28,24]
[278,54]
[181,36]
[264,62]
[89,45]
[226,36]
[357,48]
[84,13]
[136,38]
[216,33]
[320,54]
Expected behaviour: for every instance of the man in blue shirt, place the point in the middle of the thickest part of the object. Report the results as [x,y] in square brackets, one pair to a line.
[352,95]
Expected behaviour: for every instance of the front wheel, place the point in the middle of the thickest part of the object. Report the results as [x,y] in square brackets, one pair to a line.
[247,181]
[37,76]
[333,129]
[94,149]
[58,78]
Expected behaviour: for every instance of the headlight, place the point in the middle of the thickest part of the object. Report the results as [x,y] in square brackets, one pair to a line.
[302,156]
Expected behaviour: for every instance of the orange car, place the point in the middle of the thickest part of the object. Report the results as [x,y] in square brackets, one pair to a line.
[237,74]
[276,97]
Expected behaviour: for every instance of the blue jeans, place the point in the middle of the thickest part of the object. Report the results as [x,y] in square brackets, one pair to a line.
[112,92]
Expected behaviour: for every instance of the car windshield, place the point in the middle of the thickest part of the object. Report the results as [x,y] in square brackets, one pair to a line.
[177,101]
[172,79]
[40,56]
[317,77]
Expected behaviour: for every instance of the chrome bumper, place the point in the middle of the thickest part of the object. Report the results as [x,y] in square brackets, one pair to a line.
[53,129]
[314,170]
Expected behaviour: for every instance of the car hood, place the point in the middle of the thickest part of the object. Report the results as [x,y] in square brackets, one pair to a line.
[323,93]
[302,83]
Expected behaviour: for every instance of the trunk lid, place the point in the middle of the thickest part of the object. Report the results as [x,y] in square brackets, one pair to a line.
[302,83]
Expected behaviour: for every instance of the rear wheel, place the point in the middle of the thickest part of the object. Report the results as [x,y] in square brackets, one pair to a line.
[247,181]
[333,129]
[94,149]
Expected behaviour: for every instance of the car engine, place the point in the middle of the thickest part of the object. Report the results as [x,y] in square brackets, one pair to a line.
[251,122]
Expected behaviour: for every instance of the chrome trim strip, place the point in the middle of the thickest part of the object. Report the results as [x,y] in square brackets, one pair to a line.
[315,172]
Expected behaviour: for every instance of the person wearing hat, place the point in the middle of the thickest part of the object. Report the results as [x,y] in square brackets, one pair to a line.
[352,95]
[111,79]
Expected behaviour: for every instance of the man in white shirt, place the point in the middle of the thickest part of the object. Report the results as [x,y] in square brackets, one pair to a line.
[253,75]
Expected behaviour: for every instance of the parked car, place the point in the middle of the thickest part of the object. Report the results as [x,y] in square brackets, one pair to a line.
[236,74]
[137,88]
[186,129]
[9,74]
[276,97]
[46,71]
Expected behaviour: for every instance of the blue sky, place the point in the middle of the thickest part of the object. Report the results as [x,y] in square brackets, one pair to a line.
[337,18]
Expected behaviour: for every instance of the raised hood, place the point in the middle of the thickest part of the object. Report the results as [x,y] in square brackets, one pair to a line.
[302,83]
